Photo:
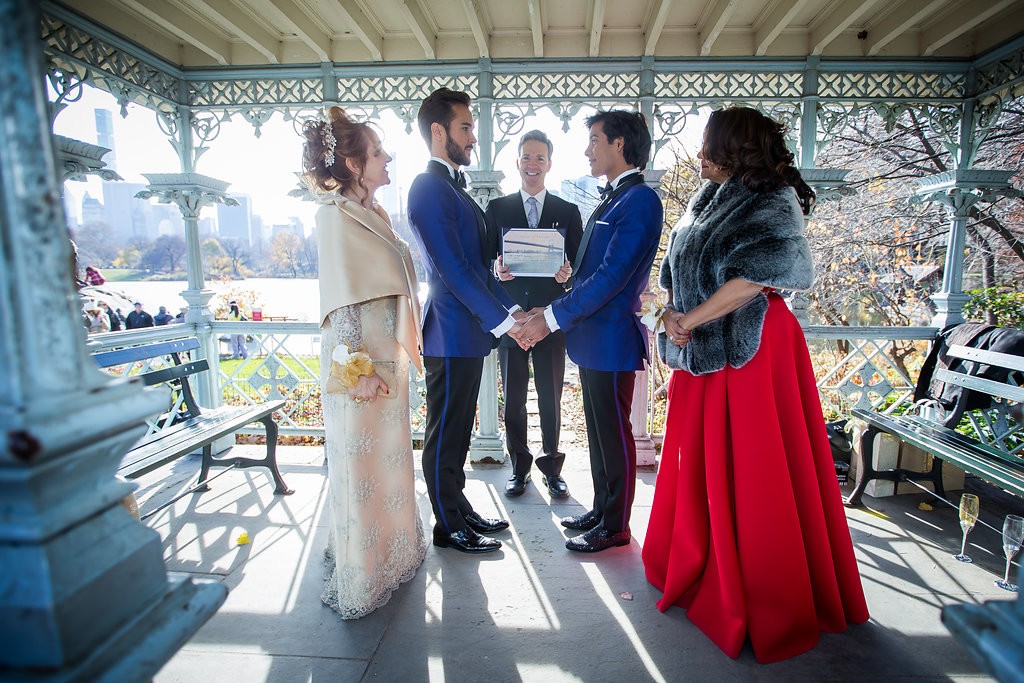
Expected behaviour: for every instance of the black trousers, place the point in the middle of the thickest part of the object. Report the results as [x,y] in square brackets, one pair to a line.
[607,398]
[548,359]
[452,388]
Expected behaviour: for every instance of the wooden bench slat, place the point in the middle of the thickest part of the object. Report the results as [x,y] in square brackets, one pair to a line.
[986,357]
[132,354]
[186,369]
[986,386]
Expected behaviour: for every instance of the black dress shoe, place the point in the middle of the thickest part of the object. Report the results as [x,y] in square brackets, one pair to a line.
[516,485]
[484,525]
[585,522]
[596,540]
[557,486]
[466,540]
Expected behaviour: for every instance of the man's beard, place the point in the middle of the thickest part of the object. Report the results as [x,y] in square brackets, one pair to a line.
[457,154]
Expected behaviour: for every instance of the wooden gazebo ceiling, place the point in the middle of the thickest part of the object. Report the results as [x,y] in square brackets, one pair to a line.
[236,33]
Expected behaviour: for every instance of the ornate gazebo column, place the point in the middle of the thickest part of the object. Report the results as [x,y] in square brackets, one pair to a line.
[191,192]
[958,191]
[486,445]
[84,594]
[639,411]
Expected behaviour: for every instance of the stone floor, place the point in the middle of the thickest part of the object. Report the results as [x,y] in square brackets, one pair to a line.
[535,612]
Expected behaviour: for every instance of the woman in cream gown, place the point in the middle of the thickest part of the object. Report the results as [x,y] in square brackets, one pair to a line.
[367,303]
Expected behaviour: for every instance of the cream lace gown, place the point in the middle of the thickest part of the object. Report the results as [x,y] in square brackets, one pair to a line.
[376,536]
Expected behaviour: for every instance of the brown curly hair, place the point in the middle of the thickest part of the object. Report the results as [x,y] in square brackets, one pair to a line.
[747,144]
[352,141]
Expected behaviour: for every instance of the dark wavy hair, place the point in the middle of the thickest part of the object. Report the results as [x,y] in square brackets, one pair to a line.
[747,144]
[438,107]
[352,141]
[632,128]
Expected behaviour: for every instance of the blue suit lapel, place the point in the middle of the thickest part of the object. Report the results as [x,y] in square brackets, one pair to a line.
[626,183]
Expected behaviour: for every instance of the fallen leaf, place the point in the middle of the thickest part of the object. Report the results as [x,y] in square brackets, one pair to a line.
[243,539]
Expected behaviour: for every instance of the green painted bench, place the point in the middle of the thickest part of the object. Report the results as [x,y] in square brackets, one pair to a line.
[996,455]
[187,427]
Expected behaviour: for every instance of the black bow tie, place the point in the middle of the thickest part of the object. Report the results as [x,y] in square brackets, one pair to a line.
[460,179]
[605,190]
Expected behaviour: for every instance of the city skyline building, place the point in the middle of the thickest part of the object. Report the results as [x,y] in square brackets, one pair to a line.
[105,135]
[235,222]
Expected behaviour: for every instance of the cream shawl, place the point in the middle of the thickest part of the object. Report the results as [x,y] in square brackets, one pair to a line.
[362,258]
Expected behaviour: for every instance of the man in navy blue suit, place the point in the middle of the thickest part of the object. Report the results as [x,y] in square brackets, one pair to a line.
[462,318]
[603,334]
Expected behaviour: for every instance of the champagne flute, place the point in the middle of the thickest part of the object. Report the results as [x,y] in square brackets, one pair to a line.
[968,516]
[1013,537]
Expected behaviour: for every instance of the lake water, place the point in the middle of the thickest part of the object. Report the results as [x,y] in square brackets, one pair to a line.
[294,298]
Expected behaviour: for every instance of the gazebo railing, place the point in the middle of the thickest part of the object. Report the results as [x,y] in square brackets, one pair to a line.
[874,367]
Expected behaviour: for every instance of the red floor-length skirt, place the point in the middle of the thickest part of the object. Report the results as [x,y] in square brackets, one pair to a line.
[748,530]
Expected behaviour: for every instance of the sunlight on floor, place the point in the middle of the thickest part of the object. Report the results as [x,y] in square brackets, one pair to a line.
[611,601]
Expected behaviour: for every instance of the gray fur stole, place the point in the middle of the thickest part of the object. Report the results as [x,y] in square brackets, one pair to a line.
[732,232]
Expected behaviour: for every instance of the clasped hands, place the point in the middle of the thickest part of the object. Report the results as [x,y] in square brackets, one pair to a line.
[368,388]
[530,328]
[673,322]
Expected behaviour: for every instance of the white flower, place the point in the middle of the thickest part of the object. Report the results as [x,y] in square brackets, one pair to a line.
[650,315]
[341,353]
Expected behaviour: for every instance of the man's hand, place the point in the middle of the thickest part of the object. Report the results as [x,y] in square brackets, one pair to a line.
[563,274]
[520,315]
[501,271]
[534,329]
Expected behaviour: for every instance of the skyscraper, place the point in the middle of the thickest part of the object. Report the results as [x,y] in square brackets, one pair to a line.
[235,222]
[105,135]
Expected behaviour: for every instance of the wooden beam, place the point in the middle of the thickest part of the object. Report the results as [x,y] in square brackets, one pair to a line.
[289,18]
[238,23]
[362,29]
[420,28]
[968,17]
[652,32]
[182,27]
[596,26]
[904,16]
[536,26]
[778,21]
[837,21]
[476,24]
[719,17]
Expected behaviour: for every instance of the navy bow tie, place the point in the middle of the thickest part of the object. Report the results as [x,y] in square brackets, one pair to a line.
[460,179]
[605,190]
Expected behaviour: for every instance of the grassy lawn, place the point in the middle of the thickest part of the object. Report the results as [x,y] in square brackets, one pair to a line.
[231,365]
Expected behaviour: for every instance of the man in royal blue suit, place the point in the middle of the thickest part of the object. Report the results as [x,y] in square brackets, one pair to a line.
[603,334]
[462,318]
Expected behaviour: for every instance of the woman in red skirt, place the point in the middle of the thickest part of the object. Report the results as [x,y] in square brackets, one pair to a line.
[748,531]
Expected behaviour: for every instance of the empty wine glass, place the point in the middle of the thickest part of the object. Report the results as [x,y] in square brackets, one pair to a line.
[968,516]
[1013,537]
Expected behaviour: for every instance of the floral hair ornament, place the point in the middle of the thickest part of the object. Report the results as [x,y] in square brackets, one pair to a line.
[329,142]
[651,313]
[346,368]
